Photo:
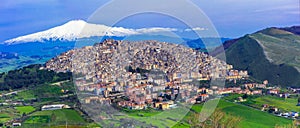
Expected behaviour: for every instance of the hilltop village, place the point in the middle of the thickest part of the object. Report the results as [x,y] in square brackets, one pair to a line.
[138,75]
[151,74]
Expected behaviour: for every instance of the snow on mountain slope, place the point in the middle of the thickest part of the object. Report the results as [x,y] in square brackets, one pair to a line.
[80,29]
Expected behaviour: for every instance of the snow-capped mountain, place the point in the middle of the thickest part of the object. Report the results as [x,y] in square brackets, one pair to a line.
[80,29]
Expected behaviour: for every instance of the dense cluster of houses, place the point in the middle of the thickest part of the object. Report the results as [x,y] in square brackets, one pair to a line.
[148,91]
[106,62]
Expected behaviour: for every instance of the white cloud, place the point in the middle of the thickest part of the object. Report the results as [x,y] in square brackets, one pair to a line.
[155,30]
[195,29]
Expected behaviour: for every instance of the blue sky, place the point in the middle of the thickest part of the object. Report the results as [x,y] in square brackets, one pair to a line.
[232,18]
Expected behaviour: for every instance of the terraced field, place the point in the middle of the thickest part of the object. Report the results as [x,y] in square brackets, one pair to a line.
[54,118]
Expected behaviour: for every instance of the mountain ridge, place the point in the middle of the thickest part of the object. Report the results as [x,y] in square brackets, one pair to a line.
[268,54]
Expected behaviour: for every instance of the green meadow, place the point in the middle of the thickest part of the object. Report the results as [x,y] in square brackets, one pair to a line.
[4,117]
[251,118]
[166,118]
[54,118]
[38,119]
[256,101]
[7,113]
[141,113]
[288,104]
[25,109]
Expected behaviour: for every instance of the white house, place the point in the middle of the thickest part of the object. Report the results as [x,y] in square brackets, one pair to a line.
[17,124]
[54,107]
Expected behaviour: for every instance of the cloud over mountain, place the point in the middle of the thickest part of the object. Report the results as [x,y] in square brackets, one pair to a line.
[80,29]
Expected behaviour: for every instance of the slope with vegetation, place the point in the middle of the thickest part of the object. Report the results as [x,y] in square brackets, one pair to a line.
[229,114]
[271,54]
[30,76]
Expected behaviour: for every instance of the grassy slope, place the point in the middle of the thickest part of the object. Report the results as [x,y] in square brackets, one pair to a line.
[251,118]
[26,95]
[54,118]
[25,109]
[247,54]
[142,113]
[7,113]
[256,101]
[288,104]
[281,46]
[62,115]
[165,118]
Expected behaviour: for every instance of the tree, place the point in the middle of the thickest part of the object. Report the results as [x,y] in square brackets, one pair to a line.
[245,96]
[23,114]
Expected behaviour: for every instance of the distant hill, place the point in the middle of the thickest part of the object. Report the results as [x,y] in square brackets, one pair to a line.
[206,42]
[8,55]
[294,29]
[271,54]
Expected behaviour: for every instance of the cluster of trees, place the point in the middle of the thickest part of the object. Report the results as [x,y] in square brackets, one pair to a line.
[137,70]
[30,76]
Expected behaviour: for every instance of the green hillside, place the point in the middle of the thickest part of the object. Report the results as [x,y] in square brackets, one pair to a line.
[30,76]
[54,118]
[270,54]
[280,46]
[250,117]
